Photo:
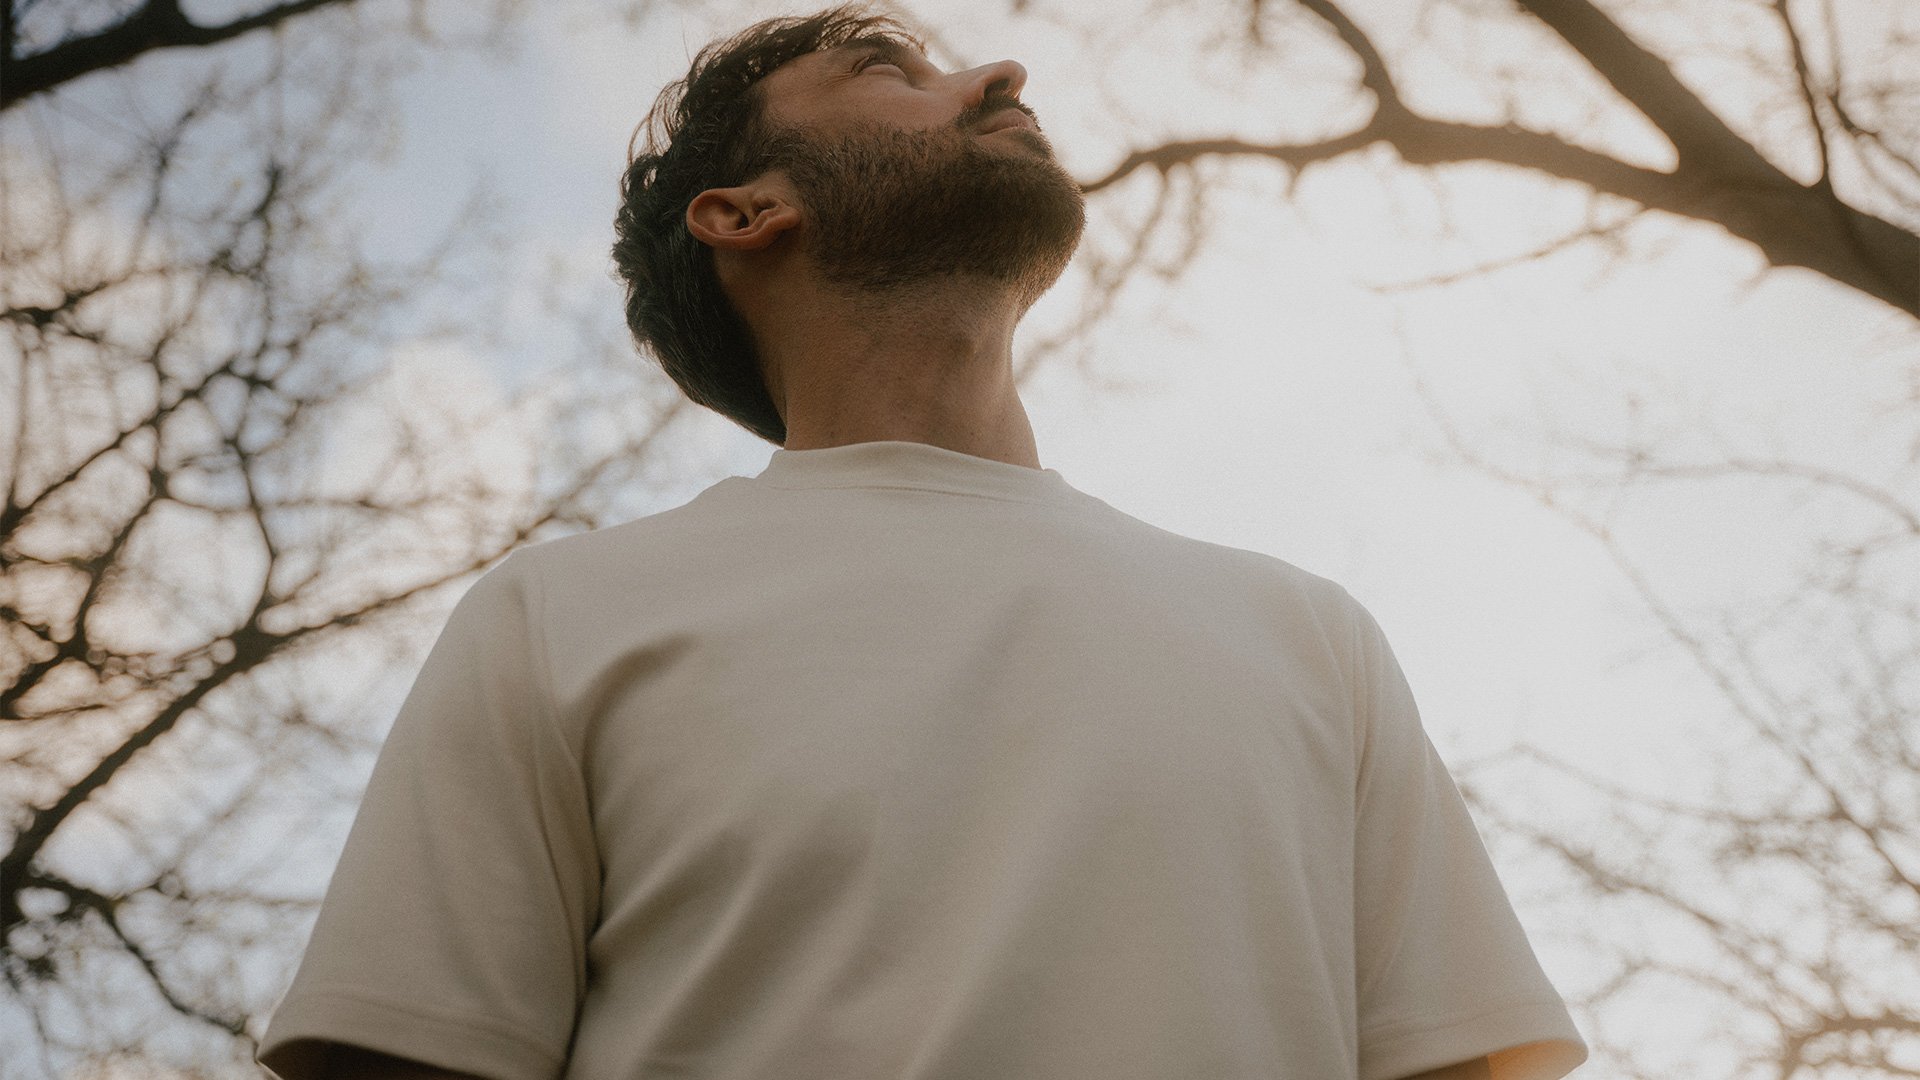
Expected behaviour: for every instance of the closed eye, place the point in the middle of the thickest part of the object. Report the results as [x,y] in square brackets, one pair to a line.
[874,60]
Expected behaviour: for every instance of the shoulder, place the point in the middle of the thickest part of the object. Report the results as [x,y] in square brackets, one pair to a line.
[1256,569]
[631,551]
[1290,589]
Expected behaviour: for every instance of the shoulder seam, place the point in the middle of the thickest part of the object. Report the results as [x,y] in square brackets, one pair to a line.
[534,584]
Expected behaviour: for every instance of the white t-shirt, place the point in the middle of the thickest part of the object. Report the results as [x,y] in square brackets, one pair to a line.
[898,763]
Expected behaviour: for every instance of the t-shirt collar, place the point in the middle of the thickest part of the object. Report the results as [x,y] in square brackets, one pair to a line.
[898,463]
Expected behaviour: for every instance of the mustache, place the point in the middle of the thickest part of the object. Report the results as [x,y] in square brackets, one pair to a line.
[973,117]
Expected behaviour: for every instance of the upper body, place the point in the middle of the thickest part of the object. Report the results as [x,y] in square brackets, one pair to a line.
[898,762]
[904,759]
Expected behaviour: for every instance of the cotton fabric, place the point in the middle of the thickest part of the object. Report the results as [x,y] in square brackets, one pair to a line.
[897,763]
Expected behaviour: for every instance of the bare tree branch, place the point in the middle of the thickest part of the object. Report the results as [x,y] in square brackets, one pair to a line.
[1721,179]
[156,24]
[1702,140]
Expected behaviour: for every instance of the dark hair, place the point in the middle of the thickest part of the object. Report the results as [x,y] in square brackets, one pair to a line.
[709,130]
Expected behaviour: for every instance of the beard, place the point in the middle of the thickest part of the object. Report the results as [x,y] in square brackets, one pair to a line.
[891,210]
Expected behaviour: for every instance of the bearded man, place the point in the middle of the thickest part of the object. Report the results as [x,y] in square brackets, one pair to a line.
[904,759]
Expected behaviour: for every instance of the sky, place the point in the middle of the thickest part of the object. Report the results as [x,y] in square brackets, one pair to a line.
[1275,402]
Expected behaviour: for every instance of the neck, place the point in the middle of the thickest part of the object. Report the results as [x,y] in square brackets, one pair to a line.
[932,364]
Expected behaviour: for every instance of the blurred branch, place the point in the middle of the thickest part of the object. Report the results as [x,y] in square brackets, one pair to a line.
[156,24]
[1720,178]
[1607,233]
[204,486]
[1833,833]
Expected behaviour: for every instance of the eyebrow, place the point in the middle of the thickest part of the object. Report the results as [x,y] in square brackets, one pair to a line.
[892,51]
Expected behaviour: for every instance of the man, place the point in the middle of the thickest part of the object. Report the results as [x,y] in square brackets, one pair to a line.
[904,759]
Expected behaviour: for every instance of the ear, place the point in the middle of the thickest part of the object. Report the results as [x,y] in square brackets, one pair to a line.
[740,218]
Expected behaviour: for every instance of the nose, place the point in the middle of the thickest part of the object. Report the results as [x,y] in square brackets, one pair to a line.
[1007,75]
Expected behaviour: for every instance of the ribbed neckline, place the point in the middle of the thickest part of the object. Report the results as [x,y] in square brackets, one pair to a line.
[893,463]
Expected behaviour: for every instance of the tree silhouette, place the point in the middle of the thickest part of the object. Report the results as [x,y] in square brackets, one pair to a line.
[1850,214]
[220,494]
[1778,893]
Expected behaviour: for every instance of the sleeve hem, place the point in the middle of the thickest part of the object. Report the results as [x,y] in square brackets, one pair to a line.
[1525,1040]
[448,1042]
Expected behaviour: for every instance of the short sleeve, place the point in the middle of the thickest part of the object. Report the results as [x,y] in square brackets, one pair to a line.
[453,930]
[1444,970]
